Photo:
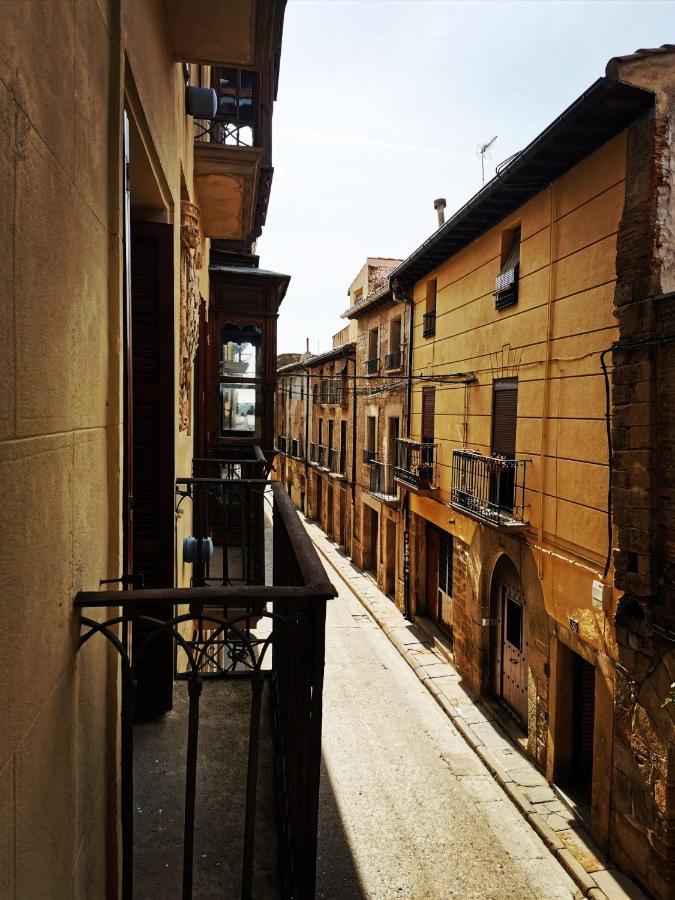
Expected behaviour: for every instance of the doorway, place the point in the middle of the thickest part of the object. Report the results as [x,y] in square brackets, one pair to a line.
[509,670]
[371,527]
[574,728]
[329,510]
[318,498]
[149,416]
[439,569]
[343,519]
[390,559]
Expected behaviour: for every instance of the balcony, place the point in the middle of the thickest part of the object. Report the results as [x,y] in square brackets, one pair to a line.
[393,360]
[429,324]
[367,456]
[373,366]
[232,158]
[317,454]
[281,444]
[489,488]
[416,464]
[337,461]
[382,484]
[220,797]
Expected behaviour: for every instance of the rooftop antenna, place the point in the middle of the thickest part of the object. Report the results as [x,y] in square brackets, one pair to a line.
[483,150]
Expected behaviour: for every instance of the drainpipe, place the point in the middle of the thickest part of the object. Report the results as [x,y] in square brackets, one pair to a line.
[353,443]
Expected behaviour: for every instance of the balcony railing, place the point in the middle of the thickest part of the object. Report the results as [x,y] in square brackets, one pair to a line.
[324,392]
[317,454]
[416,464]
[368,456]
[382,480]
[373,366]
[393,360]
[429,324]
[263,637]
[489,488]
[337,460]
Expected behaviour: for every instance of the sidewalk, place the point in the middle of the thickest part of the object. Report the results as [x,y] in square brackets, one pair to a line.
[560,830]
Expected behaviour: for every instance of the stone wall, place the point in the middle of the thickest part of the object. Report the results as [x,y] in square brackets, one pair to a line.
[642,826]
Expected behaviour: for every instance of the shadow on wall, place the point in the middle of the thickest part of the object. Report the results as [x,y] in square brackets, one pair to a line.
[337,877]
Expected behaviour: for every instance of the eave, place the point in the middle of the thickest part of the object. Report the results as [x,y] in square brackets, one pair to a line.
[602,112]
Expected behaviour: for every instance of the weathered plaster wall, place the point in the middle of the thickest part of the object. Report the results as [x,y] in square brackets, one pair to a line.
[61,414]
[585,205]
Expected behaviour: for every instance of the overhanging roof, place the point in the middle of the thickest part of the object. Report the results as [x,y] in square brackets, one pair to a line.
[602,112]
[311,361]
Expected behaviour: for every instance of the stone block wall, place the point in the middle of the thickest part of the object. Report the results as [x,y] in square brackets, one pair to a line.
[642,815]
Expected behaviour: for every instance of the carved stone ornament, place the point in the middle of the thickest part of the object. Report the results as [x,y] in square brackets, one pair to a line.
[190,263]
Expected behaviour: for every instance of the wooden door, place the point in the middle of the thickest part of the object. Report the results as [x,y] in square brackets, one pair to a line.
[513,688]
[318,498]
[329,510]
[343,518]
[390,562]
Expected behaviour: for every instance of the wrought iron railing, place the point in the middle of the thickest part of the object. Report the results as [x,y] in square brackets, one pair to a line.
[317,454]
[373,365]
[367,456]
[429,324]
[325,390]
[208,624]
[382,479]
[489,488]
[393,360]
[337,460]
[416,464]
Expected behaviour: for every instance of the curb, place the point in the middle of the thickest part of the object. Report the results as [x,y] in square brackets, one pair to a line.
[583,879]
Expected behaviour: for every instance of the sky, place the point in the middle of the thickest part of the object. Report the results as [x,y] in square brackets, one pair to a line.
[382,106]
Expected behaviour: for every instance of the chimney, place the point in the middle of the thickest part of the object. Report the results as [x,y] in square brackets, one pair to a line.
[439,206]
[307,350]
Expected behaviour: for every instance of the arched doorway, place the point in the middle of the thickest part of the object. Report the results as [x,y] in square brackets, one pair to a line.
[508,651]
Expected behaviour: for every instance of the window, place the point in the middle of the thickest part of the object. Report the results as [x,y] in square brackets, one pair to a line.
[358,295]
[514,622]
[504,417]
[237,409]
[445,562]
[506,287]
[429,318]
[394,357]
[331,426]
[240,370]
[428,414]
[373,363]
[371,431]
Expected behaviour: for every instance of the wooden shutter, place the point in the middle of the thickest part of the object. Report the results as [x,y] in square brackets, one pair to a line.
[428,413]
[153,447]
[504,417]
[431,295]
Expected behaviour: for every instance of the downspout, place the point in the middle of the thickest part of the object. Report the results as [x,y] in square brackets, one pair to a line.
[547,365]
[353,443]
[407,613]
[306,447]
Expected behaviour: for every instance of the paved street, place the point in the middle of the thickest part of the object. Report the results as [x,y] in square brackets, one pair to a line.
[417,815]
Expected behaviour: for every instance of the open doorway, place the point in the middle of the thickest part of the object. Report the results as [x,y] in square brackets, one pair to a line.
[371,528]
[390,559]
[574,728]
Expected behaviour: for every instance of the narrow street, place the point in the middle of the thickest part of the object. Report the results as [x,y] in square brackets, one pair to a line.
[407,809]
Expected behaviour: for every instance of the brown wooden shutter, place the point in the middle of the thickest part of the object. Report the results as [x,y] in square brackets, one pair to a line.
[428,413]
[431,295]
[504,417]
[153,450]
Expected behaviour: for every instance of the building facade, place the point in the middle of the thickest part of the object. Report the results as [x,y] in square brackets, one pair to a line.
[315,438]
[132,193]
[381,367]
[533,541]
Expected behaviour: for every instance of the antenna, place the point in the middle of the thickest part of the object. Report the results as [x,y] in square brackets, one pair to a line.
[483,150]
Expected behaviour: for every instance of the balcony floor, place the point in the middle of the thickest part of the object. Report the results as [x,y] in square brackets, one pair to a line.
[159,803]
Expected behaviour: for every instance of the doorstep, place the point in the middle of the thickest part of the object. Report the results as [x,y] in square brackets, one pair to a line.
[489,732]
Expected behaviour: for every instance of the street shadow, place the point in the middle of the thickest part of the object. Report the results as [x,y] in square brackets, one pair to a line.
[337,875]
